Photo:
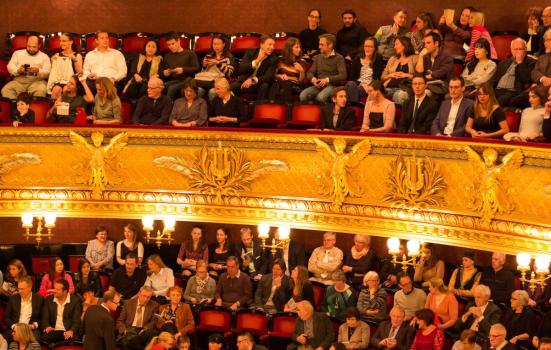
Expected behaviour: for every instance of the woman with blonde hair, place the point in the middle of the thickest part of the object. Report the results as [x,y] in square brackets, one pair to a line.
[23,338]
[442,302]
[15,272]
[163,341]
[130,243]
[107,105]
[159,277]
[520,321]
[488,120]
[200,288]
[225,109]
[372,299]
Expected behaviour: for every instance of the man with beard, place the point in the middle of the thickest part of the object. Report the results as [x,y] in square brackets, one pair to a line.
[30,68]
[351,36]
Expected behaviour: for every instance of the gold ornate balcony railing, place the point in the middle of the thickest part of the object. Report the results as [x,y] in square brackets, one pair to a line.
[489,196]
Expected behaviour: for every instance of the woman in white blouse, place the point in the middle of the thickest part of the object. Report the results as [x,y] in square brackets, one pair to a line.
[159,277]
[531,121]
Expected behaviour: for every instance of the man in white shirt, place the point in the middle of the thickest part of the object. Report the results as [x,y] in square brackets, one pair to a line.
[30,68]
[453,113]
[325,259]
[481,314]
[61,314]
[24,307]
[104,61]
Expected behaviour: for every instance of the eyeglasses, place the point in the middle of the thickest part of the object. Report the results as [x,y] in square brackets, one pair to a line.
[314,17]
[496,335]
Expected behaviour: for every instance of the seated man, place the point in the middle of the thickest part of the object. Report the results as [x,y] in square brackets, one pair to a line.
[153,109]
[249,253]
[480,315]
[498,339]
[60,315]
[327,71]
[351,36]
[386,35]
[419,110]
[309,36]
[542,71]
[337,115]
[312,329]
[408,298]
[325,259]
[433,62]
[234,289]
[394,334]
[513,75]
[274,289]
[256,69]
[245,341]
[128,279]
[137,318]
[542,29]
[25,307]
[500,280]
[104,61]
[453,113]
[30,68]
[178,64]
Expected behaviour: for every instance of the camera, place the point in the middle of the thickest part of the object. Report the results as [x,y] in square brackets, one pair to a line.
[26,67]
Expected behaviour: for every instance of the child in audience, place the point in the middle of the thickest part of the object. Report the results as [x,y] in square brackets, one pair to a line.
[24,113]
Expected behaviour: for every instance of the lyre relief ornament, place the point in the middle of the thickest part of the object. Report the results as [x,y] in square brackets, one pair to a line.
[15,160]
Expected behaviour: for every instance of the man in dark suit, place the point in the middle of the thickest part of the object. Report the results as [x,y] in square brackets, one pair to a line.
[29,302]
[99,325]
[273,301]
[137,317]
[54,327]
[498,335]
[345,115]
[481,314]
[394,334]
[256,69]
[249,254]
[453,113]
[245,341]
[312,328]
[419,110]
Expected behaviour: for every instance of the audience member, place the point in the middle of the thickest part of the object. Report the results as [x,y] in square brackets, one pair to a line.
[520,320]
[480,69]
[88,299]
[178,65]
[466,341]
[76,94]
[184,343]
[379,112]
[23,338]
[399,70]
[23,113]
[193,248]
[234,289]
[274,289]
[480,314]
[367,66]
[497,339]
[104,62]
[301,288]
[107,105]
[153,108]
[190,110]
[86,279]
[338,115]
[325,259]
[531,120]
[394,333]
[225,109]
[429,266]
[408,298]
[372,299]
[542,71]
[546,128]
[338,297]
[351,36]
[14,273]
[354,333]
[476,22]
[545,343]
[164,341]
[386,35]
[245,341]
[424,24]
[23,308]
[128,279]
[100,251]
[546,19]
[159,277]
[137,317]
[443,303]
[256,69]
[249,253]
[312,328]
[309,37]
[200,288]
[130,243]
[289,72]
[65,64]
[453,113]
[219,252]
[418,111]
[456,34]
[216,341]
[500,280]
[175,317]
[293,254]
[542,340]
[428,337]
[488,119]
[360,260]
[390,271]
[99,325]
[56,271]
[144,67]
[532,35]
[465,278]
[434,63]
[218,63]
[60,315]
[30,67]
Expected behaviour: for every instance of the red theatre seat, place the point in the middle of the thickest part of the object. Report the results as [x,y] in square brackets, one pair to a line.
[54,46]
[359,109]
[252,321]
[126,112]
[283,326]
[40,106]
[90,41]
[319,294]
[202,42]
[73,262]
[105,280]
[513,120]
[41,264]
[6,107]
[458,67]
[134,42]
[281,39]
[213,320]
[5,76]
[240,42]
[502,43]
[305,116]
[268,114]
[18,40]
[185,42]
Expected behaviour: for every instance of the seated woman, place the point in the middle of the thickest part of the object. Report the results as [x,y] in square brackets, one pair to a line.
[159,277]
[531,121]
[100,251]
[130,243]
[481,68]
[143,67]
[225,109]
[360,260]
[65,64]
[442,302]
[175,317]
[532,35]
[290,72]
[399,70]
[379,113]
[56,271]
[456,34]
[219,252]
[429,266]
[372,300]
[23,338]
[465,278]
[424,23]
[218,63]
[428,337]
[193,248]
[354,333]
[164,341]
[488,120]
[200,288]
[366,67]
[23,113]
[15,272]
[520,320]
[338,297]
[467,341]
[76,93]
[87,280]
[107,105]
[302,288]
[190,110]
[476,22]
[337,115]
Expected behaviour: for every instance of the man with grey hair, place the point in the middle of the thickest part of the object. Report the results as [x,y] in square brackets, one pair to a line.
[394,333]
[312,328]
[498,335]
[546,18]
[500,280]
[542,71]
[325,259]
[512,75]
[481,314]
[154,108]
[136,318]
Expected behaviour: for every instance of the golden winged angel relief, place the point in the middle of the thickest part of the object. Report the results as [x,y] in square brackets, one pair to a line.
[14,160]
[415,183]
[97,159]
[490,195]
[220,171]
[338,180]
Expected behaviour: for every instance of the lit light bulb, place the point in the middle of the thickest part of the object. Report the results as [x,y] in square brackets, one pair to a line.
[542,263]
[147,222]
[284,232]
[49,219]
[263,230]
[393,244]
[27,219]
[413,247]
[169,222]
[523,260]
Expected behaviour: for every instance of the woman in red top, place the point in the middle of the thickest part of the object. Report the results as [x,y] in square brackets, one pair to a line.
[193,248]
[57,271]
[163,341]
[428,337]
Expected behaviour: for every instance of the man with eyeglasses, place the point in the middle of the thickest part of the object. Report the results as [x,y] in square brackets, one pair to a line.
[546,19]
[153,109]
[325,259]
[542,71]
[24,307]
[99,326]
[309,36]
[498,341]
[245,341]
[409,298]
[453,113]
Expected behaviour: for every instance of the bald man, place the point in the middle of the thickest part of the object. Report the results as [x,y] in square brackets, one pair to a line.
[30,68]
[500,280]
[153,109]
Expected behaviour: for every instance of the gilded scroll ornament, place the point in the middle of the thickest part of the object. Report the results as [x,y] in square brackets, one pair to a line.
[98,158]
[14,160]
[490,193]
[338,181]
[220,171]
[415,183]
